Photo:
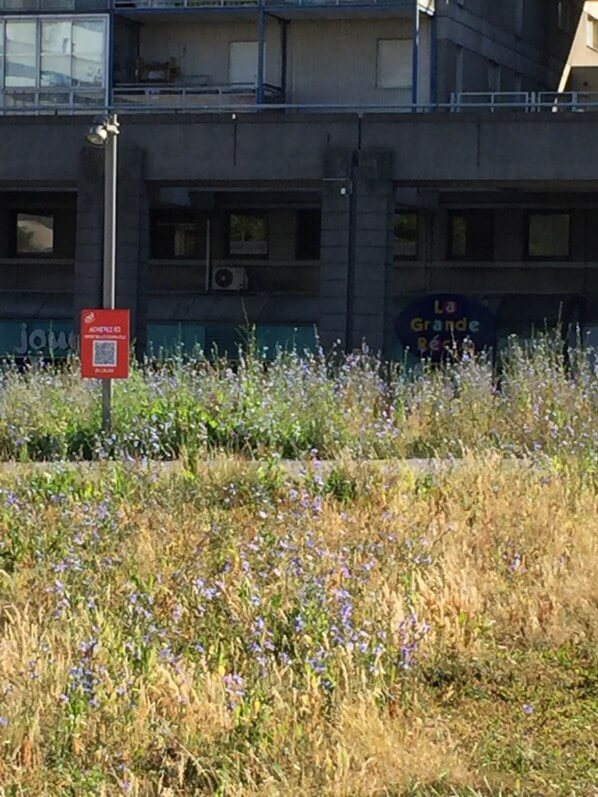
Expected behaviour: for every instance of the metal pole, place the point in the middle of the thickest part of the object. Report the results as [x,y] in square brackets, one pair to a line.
[109,256]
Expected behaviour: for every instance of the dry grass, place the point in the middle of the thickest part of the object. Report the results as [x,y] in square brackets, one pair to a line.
[236,631]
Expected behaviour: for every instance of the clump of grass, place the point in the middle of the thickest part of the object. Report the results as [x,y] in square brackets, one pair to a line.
[241,629]
[541,400]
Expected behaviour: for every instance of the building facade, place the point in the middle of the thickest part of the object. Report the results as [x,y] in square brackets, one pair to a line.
[296,165]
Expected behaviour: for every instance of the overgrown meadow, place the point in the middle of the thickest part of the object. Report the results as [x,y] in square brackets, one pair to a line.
[538,398]
[328,626]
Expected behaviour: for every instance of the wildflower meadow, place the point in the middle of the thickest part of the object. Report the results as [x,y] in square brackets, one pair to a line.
[286,606]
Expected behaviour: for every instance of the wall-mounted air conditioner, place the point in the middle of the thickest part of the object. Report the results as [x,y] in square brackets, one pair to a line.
[229,278]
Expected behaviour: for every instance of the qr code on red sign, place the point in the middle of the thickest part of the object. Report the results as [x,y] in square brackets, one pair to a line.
[104,353]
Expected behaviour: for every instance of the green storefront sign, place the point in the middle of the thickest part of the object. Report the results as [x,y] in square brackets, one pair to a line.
[37,337]
[57,338]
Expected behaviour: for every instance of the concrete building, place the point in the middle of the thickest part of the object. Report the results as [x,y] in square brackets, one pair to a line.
[295,164]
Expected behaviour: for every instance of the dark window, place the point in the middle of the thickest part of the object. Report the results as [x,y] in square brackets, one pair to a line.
[34,234]
[548,236]
[405,235]
[248,234]
[307,242]
[471,235]
[174,236]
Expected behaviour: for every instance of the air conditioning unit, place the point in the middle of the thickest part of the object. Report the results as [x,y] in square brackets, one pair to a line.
[229,278]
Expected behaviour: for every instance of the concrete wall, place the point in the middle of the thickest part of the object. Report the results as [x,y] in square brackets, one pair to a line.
[522,37]
[515,149]
[334,61]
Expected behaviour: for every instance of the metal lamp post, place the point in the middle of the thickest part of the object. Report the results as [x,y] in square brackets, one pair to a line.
[104,133]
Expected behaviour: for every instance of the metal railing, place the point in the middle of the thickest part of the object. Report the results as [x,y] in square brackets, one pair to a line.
[242,98]
[186,98]
[123,5]
[529,101]
[52,6]
[18,101]
[157,4]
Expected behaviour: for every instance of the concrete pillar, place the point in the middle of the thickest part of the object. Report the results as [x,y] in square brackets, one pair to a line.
[89,241]
[356,248]
[373,198]
[4,231]
[131,240]
[334,246]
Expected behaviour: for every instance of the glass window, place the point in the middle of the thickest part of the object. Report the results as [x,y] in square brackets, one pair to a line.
[88,52]
[172,238]
[56,47]
[471,235]
[405,235]
[55,53]
[549,235]
[248,234]
[307,242]
[395,64]
[35,234]
[21,53]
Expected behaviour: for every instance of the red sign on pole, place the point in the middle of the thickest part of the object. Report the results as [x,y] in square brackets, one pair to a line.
[105,344]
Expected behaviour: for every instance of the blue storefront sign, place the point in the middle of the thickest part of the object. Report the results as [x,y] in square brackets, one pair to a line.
[35,337]
[440,325]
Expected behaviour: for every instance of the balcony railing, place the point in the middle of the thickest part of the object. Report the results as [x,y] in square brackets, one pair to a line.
[530,101]
[163,96]
[242,98]
[52,6]
[51,100]
[190,4]
[157,4]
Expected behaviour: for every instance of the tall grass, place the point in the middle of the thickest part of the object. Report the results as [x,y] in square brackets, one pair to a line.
[231,629]
[538,400]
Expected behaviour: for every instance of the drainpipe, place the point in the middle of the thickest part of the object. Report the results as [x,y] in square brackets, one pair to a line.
[351,258]
[285,57]
[415,69]
[261,52]
[434,63]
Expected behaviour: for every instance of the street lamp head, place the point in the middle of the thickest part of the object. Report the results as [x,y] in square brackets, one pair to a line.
[97,135]
[102,128]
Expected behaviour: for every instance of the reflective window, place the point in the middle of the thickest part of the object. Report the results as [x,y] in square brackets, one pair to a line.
[248,234]
[471,235]
[20,53]
[56,46]
[548,235]
[307,241]
[88,52]
[35,234]
[405,235]
[62,57]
